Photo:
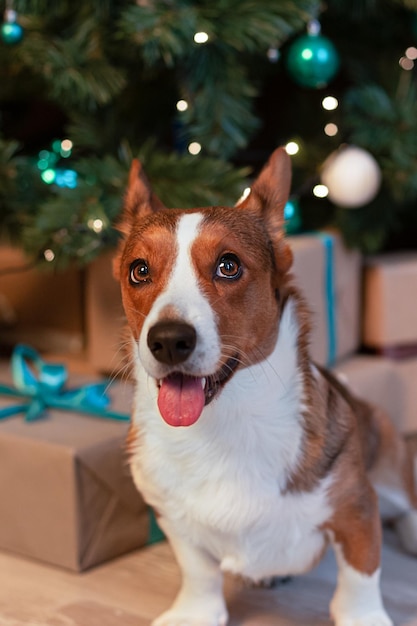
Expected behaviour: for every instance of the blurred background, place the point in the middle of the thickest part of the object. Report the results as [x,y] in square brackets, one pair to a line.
[201,91]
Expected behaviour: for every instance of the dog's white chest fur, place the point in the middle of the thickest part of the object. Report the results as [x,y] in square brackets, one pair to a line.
[221,482]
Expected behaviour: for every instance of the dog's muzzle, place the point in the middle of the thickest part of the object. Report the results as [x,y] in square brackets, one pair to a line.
[182,397]
[171,342]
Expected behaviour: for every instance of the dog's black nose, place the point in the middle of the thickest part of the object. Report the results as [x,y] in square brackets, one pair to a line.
[171,342]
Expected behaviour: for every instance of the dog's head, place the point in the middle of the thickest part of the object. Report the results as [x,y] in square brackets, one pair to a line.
[202,288]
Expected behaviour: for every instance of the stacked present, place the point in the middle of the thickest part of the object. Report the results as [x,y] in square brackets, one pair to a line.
[384,323]
[67,495]
[360,304]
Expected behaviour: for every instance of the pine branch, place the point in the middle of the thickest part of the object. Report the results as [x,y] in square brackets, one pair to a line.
[66,222]
[75,68]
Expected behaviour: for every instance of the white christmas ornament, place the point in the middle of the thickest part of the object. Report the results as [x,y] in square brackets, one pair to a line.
[352,177]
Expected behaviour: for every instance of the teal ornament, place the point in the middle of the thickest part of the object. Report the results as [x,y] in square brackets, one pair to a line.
[312,61]
[11,31]
[292,217]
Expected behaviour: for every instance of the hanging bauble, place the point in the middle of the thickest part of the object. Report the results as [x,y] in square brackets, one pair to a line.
[11,31]
[312,60]
[352,177]
[292,217]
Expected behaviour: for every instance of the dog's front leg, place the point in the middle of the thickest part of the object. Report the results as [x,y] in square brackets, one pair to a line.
[200,601]
[356,538]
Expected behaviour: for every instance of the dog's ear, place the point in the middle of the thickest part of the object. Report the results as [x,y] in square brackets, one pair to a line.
[268,197]
[139,201]
[139,198]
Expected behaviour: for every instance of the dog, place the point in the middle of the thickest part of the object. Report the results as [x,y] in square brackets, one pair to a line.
[253,458]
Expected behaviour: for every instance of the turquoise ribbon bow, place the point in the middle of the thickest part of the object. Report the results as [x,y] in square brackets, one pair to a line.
[42,385]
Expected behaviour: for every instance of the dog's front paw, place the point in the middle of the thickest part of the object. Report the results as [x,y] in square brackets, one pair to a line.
[378,618]
[183,618]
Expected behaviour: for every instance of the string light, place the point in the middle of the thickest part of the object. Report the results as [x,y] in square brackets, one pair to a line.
[411,53]
[201,37]
[331,129]
[48,176]
[406,63]
[330,103]
[292,148]
[273,54]
[320,191]
[194,148]
[96,225]
[49,255]
[182,105]
[65,148]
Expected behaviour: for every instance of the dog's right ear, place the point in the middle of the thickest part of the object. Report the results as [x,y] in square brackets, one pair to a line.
[139,202]
[139,198]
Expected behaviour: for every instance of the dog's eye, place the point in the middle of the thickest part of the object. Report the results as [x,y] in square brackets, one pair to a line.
[229,266]
[139,272]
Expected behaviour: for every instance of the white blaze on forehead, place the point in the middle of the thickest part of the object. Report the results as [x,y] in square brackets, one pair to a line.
[183,294]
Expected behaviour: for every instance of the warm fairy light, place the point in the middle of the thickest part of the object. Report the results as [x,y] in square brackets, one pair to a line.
[330,103]
[66,144]
[273,54]
[201,37]
[49,255]
[194,147]
[292,147]
[320,191]
[411,53]
[96,225]
[406,63]
[66,148]
[182,105]
[331,129]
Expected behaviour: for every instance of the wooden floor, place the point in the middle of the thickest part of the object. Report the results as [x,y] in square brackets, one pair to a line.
[134,589]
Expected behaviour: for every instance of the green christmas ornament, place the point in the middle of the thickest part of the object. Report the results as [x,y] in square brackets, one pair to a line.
[312,60]
[11,31]
[292,217]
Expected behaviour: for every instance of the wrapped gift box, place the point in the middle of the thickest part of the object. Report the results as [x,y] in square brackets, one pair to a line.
[329,276]
[42,308]
[67,497]
[386,383]
[406,372]
[390,303]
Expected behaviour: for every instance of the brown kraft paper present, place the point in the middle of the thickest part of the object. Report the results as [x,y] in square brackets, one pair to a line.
[67,497]
[390,303]
[386,383]
[330,281]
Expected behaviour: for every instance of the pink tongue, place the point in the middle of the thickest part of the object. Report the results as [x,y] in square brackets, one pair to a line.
[181,400]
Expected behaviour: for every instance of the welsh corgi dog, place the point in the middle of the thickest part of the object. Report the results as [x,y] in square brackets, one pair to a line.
[253,457]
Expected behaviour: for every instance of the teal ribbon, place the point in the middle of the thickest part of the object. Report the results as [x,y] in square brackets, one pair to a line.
[155,533]
[42,385]
[329,286]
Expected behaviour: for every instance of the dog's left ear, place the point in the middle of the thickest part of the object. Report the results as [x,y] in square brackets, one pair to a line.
[139,202]
[268,197]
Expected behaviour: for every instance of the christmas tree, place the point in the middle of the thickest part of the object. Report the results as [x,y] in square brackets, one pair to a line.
[202,91]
